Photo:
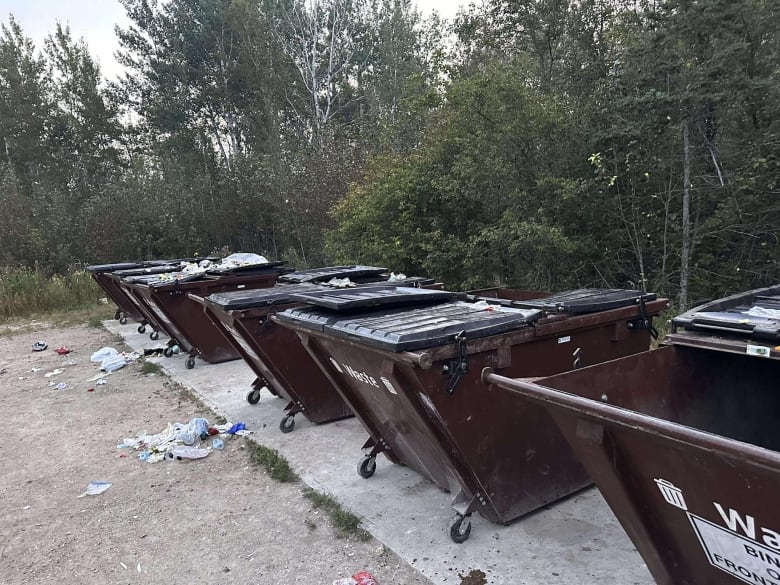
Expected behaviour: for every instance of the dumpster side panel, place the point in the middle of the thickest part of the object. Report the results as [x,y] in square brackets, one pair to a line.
[696,516]
[378,391]
[119,296]
[134,292]
[283,361]
[189,325]
[700,506]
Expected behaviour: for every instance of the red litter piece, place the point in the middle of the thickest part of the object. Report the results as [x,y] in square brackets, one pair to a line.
[364,578]
[90,389]
[212,431]
[63,350]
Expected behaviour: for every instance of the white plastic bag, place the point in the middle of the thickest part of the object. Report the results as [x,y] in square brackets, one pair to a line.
[113,363]
[103,353]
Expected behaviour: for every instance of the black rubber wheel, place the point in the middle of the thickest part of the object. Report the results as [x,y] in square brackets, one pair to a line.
[253,397]
[168,352]
[367,467]
[460,530]
[117,315]
[142,329]
[190,363]
[288,424]
[154,335]
[123,320]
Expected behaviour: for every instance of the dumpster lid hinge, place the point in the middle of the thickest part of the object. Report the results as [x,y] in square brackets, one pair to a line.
[644,322]
[458,366]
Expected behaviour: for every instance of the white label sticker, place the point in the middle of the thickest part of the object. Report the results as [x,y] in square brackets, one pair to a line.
[336,365]
[744,559]
[758,350]
[389,385]
[566,339]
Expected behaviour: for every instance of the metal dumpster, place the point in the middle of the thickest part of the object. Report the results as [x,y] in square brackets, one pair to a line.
[275,353]
[183,320]
[411,374]
[683,443]
[121,280]
[124,306]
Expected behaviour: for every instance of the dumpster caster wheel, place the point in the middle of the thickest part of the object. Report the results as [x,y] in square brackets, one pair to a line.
[142,329]
[168,352]
[190,363]
[367,467]
[254,397]
[117,315]
[123,320]
[288,424]
[154,335]
[460,530]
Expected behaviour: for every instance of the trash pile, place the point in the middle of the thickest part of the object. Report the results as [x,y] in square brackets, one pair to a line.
[111,360]
[229,263]
[181,441]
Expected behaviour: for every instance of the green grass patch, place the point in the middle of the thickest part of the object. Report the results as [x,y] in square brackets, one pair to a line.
[149,368]
[28,292]
[275,465]
[345,523]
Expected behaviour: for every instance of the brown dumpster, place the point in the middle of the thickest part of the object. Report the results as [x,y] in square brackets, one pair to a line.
[411,374]
[124,306]
[183,319]
[682,441]
[275,353]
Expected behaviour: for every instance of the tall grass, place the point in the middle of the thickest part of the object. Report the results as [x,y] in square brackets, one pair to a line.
[26,291]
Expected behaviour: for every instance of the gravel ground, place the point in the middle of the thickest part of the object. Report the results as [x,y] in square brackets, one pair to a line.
[216,520]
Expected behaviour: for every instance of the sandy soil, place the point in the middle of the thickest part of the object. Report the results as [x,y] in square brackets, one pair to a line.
[217,520]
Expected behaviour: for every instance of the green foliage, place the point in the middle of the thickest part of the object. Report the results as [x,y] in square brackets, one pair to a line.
[346,523]
[27,291]
[275,465]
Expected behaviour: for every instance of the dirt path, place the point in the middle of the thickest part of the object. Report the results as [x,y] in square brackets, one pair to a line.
[218,520]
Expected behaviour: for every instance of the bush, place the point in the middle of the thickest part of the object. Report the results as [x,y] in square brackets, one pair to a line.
[26,291]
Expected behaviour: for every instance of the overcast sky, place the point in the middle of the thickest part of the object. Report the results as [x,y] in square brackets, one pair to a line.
[95,19]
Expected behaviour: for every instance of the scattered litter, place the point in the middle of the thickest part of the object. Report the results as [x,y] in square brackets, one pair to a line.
[177,441]
[763,312]
[22,378]
[361,578]
[39,346]
[123,455]
[124,566]
[25,507]
[98,377]
[103,353]
[90,389]
[69,363]
[101,382]
[139,567]
[239,426]
[183,452]
[33,370]
[61,386]
[95,488]
[53,373]
[63,350]
[218,444]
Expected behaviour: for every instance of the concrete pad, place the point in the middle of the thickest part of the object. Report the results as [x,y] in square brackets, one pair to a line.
[577,540]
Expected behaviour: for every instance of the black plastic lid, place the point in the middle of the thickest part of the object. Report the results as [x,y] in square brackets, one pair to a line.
[328,272]
[366,297]
[753,313]
[417,328]
[147,271]
[102,268]
[263,297]
[587,300]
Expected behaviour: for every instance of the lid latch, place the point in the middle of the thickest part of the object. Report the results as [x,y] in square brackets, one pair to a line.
[459,366]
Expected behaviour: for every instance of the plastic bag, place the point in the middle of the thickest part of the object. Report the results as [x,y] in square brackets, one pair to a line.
[103,353]
[113,363]
[180,453]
